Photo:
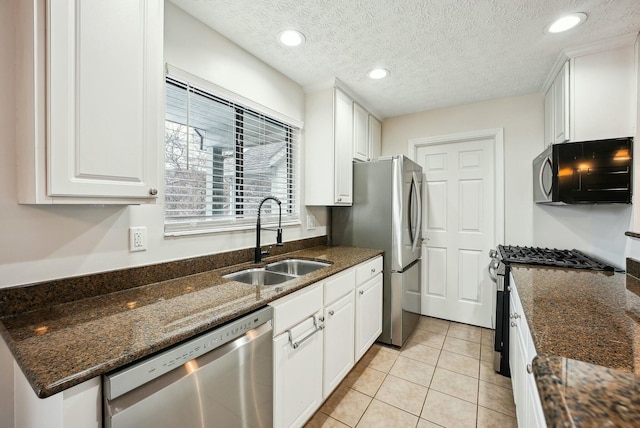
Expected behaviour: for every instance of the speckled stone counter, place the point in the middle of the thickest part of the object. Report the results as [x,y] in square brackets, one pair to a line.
[585,330]
[63,345]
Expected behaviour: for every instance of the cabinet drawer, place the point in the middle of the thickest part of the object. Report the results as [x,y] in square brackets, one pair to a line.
[293,308]
[368,269]
[339,285]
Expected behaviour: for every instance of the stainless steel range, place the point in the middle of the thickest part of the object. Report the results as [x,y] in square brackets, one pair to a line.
[499,269]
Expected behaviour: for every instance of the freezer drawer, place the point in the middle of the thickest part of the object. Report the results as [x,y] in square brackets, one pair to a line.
[405,302]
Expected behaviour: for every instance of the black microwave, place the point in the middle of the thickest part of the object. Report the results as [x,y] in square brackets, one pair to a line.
[589,172]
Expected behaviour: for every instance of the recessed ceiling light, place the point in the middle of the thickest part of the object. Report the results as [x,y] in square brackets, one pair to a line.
[567,22]
[291,37]
[378,73]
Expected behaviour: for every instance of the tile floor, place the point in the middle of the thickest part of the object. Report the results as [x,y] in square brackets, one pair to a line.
[442,376]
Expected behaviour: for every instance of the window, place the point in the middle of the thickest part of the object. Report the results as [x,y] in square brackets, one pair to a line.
[221,159]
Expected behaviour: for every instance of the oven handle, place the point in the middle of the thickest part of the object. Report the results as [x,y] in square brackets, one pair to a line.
[492,268]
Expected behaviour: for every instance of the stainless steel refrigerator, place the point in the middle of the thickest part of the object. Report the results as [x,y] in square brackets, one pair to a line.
[386,214]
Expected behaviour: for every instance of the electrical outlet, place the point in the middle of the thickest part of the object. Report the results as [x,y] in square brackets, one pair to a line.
[311,221]
[138,238]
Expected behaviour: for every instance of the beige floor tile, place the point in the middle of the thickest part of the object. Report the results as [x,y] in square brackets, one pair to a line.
[383,415]
[448,411]
[379,358]
[427,338]
[488,418]
[463,347]
[465,332]
[423,423]
[433,324]
[364,379]
[455,384]
[413,371]
[346,405]
[320,420]
[459,363]
[487,337]
[418,352]
[488,374]
[496,398]
[402,394]
[486,353]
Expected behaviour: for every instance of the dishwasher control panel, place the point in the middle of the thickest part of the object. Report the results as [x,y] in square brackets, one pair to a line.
[128,379]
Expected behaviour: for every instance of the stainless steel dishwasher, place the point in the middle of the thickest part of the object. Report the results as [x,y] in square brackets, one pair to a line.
[222,378]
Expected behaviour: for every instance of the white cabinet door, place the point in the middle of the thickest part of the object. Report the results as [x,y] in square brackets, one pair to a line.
[561,105]
[338,342]
[603,101]
[297,374]
[549,131]
[328,148]
[375,138]
[343,149]
[368,314]
[361,150]
[102,99]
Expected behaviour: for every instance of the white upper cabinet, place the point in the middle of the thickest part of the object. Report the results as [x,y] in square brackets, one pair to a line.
[592,98]
[92,101]
[603,97]
[328,148]
[361,147]
[375,138]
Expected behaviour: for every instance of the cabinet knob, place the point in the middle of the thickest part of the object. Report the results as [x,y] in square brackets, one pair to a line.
[373,270]
[361,292]
[513,323]
[331,313]
[529,368]
[339,199]
[153,191]
[509,288]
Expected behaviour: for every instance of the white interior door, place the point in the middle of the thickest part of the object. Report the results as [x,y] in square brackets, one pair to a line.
[459,229]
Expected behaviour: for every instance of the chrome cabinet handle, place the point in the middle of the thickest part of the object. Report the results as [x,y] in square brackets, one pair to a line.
[529,368]
[331,312]
[373,270]
[509,288]
[514,316]
[153,192]
[361,292]
[316,329]
[513,323]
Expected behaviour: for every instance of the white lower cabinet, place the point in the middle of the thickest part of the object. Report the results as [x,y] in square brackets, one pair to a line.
[338,342]
[368,313]
[320,332]
[297,373]
[521,353]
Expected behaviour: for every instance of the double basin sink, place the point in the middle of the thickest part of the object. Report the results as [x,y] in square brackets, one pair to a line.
[276,272]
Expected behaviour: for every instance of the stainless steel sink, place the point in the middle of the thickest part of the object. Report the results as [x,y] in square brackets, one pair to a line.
[297,267]
[277,272]
[259,276]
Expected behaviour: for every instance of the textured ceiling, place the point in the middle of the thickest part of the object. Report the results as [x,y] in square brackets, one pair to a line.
[440,52]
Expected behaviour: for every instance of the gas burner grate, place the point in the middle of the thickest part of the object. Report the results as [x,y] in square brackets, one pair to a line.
[572,259]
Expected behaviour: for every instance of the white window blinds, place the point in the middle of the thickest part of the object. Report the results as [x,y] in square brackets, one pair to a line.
[221,159]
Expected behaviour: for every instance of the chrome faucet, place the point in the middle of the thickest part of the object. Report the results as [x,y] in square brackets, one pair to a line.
[258,251]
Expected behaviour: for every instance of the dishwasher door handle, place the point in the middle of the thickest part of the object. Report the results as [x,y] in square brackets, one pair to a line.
[316,328]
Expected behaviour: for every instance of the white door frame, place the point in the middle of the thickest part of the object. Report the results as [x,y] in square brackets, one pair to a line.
[497,134]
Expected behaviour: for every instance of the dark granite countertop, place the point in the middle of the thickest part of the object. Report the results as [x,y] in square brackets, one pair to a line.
[585,330]
[63,345]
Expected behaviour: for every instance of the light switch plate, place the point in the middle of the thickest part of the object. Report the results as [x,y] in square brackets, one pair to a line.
[311,221]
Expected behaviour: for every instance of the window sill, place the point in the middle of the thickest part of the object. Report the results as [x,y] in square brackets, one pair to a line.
[228,229]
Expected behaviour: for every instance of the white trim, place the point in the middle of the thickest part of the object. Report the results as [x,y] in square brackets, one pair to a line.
[497,134]
[185,76]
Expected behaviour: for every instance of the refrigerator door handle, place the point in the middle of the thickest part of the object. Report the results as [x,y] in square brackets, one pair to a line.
[415,193]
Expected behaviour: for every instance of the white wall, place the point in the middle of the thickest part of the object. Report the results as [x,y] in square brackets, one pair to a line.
[633,244]
[523,121]
[47,242]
